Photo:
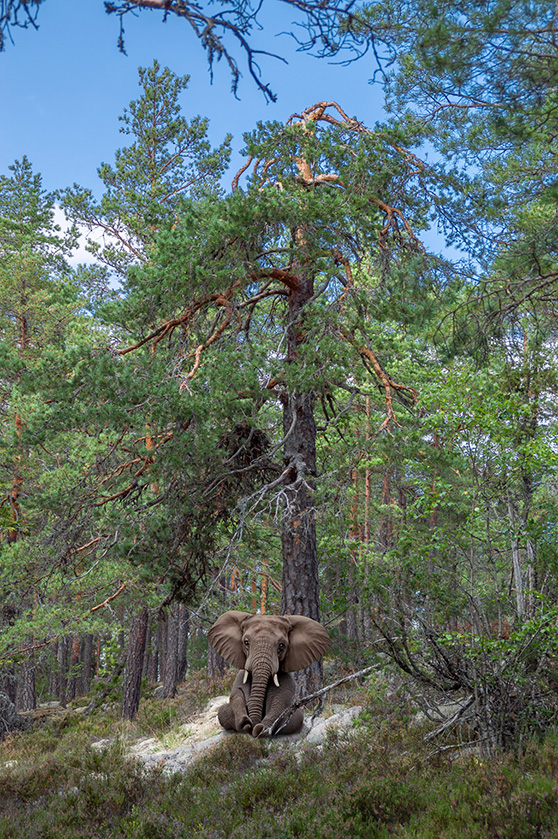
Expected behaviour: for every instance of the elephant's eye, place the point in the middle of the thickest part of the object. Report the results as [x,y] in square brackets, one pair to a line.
[246,642]
[281,647]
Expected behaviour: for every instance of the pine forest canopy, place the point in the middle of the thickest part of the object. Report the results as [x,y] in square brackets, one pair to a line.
[277,398]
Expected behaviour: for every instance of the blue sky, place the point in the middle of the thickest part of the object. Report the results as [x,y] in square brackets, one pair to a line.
[63,87]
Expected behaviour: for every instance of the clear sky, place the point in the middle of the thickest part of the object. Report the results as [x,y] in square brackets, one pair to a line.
[63,87]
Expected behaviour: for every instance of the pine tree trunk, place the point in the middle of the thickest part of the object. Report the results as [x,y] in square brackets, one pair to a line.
[298,538]
[170,670]
[352,576]
[73,681]
[62,670]
[26,694]
[53,672]
[151,659]
[134,665]
[87,663]
[183,631]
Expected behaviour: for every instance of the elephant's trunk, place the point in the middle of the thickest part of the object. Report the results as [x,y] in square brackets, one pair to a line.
[263,664]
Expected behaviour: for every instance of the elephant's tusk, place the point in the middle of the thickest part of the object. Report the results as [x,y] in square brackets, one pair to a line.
[245,679]
[275,679]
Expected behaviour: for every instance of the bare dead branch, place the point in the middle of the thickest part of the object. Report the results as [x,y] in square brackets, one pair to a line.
[108,599]
[285,716]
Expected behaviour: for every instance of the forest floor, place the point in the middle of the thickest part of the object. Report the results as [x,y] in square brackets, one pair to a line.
[378,778]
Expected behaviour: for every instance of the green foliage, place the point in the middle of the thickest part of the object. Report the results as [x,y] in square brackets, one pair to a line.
[168,162]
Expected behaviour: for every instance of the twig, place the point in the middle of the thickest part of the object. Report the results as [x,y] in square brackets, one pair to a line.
[452,720]
[453,746]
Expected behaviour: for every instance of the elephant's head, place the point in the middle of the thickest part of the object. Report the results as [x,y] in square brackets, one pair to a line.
[263,645]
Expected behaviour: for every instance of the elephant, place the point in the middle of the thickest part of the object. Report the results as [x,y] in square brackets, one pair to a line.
[266,648]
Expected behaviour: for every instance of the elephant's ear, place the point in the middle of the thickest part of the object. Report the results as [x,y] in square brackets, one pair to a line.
[225,636]
[308,641]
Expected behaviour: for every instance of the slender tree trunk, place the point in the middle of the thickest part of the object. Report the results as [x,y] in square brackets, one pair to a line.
[152,658]
[254,589]
[87,663]
[53,672]
[352,576]
[62,670]
[531,577]
[183,631]
[134,665]
[516,562]
[265,586]
[73,681]
[8,679]
[365,630]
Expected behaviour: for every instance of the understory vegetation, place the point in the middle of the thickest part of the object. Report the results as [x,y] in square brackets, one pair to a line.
[384,779]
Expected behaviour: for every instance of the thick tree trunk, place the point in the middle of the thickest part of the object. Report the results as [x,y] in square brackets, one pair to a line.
[170,670]
[26,694]
[298,538]
[134,665]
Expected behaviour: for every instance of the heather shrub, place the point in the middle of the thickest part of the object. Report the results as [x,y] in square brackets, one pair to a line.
[381,780]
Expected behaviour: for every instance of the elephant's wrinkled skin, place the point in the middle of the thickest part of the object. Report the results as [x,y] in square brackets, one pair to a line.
[266,648]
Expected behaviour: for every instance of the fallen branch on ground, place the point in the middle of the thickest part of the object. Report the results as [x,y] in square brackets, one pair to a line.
[285,716]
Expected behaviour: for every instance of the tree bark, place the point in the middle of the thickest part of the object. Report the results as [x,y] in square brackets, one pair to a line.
[183,631]
[170,670]
[74,680]
[298,538]
[516,561]
[62,670]
[216,666]
[151,662]
[134,665]
[26,694]
[87,663]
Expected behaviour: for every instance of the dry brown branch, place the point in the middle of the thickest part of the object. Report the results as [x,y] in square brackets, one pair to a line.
[290,280]
[91,542]
[342,260]
[318,112]
[391,214]
[239,174]
[108,600]
[222,298]
[387,383]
